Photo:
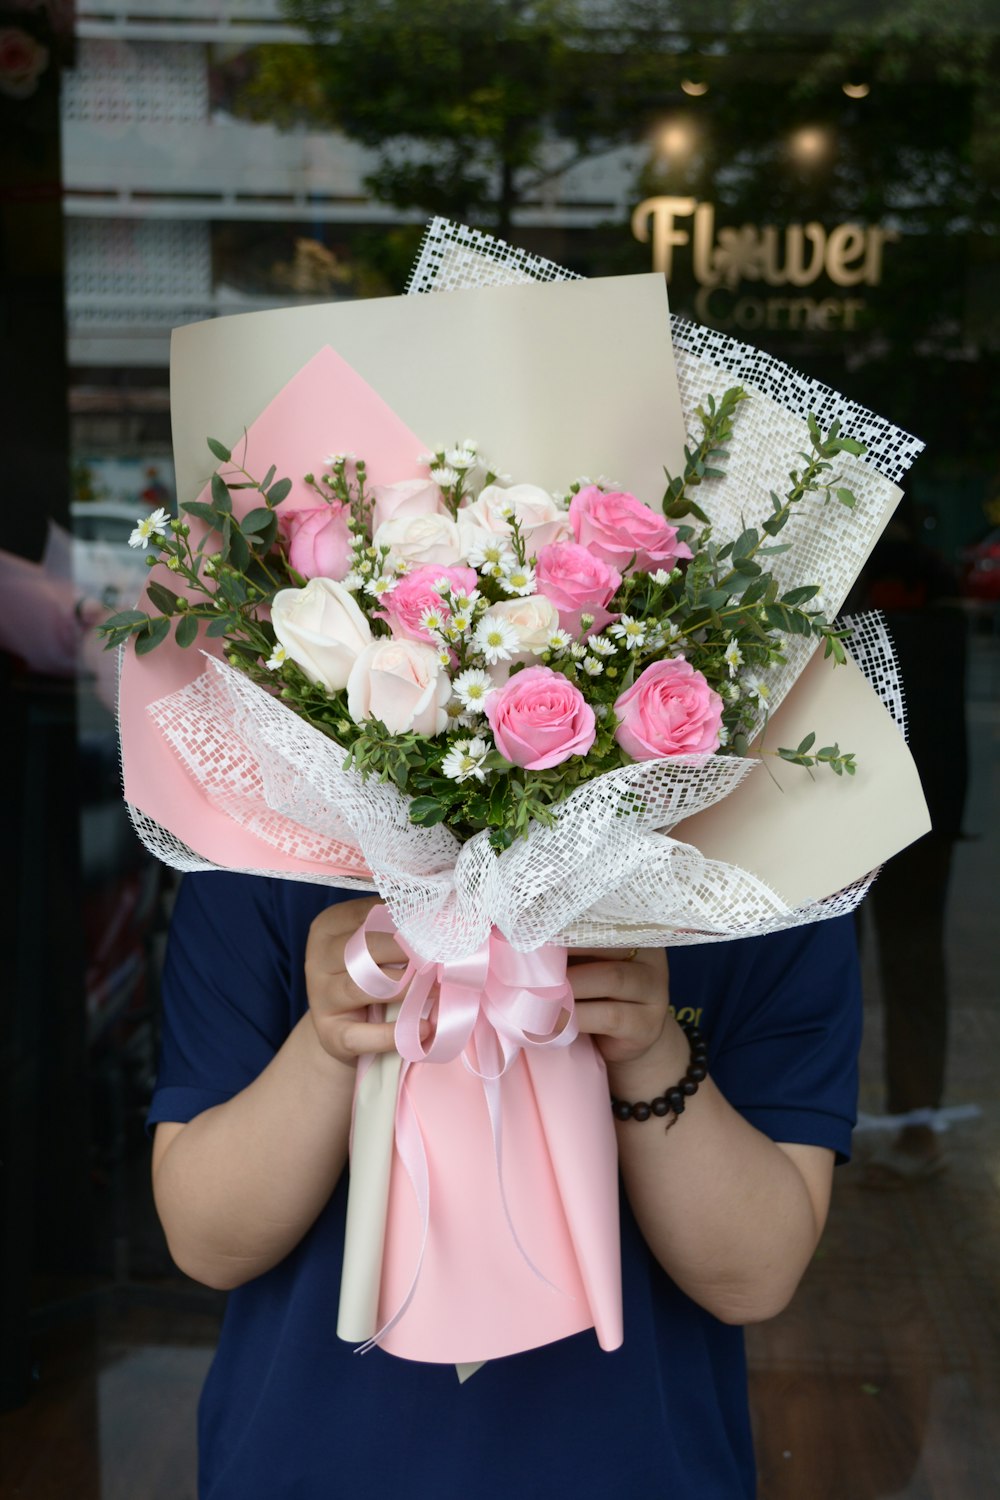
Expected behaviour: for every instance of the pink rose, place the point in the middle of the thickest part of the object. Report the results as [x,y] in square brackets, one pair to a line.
[318,541]
[540,719]
[415,592]
[410,497]
[577,582]
[402,683]
[22,62]
[669,710]
[615,525]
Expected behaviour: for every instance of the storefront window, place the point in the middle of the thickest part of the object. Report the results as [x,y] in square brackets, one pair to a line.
[820,181]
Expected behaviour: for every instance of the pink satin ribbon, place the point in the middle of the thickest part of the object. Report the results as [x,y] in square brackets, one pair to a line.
[483,1008]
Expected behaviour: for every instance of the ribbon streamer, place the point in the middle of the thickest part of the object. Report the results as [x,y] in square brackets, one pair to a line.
[485,1008]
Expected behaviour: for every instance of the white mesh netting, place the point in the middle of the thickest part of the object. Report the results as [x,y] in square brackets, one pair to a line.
[828,542]
[607,872]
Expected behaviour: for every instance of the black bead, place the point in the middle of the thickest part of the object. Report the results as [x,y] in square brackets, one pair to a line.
[621,1110]
[641,1111]
[696,1072]
[676,1100]
[689,1086]
[660,1106]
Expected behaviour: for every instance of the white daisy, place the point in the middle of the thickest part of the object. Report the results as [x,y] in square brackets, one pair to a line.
[149,528]
[723,736]
[601,646]
[629,630]
[733,656]
[352,582]
[661,576]
[444,475]
[433,619]
[465,759]
[380,584]
[472,687]
[756,688]
[578,650]
[593,666]
[519,581]
[560,640]
[460,459]
[496,639]
[461,621]
[491,554]
[277,658]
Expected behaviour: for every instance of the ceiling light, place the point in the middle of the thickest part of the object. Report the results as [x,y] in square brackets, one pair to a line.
[856,90]
[693,87]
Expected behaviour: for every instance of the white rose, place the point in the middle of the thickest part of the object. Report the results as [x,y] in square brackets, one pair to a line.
[408,498]
[542,521]
[322,629]
[535,618]
[402,683]
[420,539]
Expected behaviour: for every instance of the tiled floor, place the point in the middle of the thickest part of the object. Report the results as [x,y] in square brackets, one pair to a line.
[881,1382]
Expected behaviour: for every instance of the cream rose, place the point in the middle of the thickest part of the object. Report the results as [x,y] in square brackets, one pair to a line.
[406,499]
[541,520]
[403,684]
[420,539]
[535,618]
[322,630]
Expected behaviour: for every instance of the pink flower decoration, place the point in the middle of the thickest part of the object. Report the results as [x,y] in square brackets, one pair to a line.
[415,593]
[318,541]
[539,719]
[669,710]
[577,582]
[614,525]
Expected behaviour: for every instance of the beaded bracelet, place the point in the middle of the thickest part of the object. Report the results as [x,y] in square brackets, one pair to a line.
[672,1101]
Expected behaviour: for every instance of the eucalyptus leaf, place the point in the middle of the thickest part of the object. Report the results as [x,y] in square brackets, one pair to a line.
[220,450]
[186,632]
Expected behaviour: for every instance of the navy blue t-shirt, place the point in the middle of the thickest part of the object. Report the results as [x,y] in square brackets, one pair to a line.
[290,1412]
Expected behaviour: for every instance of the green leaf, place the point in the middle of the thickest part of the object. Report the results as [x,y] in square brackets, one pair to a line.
[747,566]
[221,498]
[164,599]
[800,596]
[239,550]
[746,543]
[219,449]
[202,511]
[148,640]
[126,618]
[425,811]
[808,743]
[846,497]
[268,478]
[219,626]
[279,491]
[186,632]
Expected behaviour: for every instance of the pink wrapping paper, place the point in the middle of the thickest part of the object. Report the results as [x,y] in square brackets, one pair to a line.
[561,1180]
[325,407]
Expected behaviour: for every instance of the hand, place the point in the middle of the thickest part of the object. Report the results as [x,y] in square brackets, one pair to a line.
[337,1005]
[623,1002]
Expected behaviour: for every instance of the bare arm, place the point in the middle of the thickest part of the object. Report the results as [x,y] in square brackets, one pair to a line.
[238,1186]
[733,1217]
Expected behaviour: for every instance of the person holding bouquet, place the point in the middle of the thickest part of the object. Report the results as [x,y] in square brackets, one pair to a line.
[723,1204]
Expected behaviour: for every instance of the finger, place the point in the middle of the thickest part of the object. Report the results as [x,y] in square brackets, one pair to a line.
[633,981]
[350,1036]
[345,916]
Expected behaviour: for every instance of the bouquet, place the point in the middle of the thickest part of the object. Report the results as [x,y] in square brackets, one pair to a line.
[490,700]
